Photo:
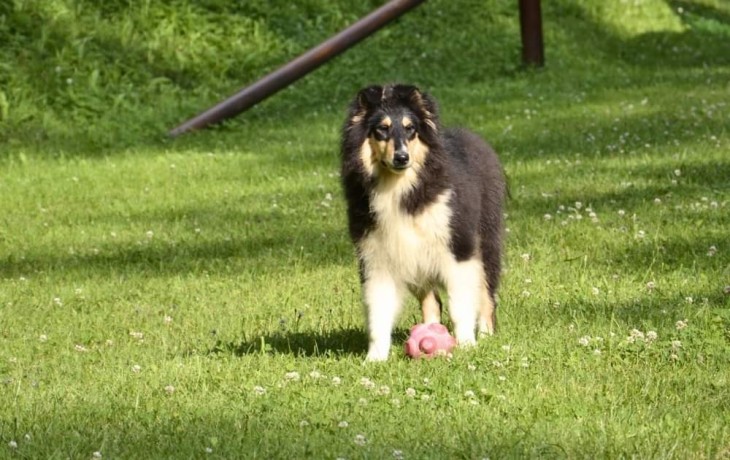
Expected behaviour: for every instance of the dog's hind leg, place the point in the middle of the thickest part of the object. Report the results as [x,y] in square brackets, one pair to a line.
[463,283]
[487,312]
[430,306]
[383,299]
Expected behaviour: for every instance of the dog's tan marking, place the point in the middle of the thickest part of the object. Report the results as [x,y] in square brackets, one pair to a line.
[431,307]
[487,313]
[406,122]
[386,122]
[356,119]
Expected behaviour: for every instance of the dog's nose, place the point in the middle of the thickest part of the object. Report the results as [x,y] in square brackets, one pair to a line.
[400,158]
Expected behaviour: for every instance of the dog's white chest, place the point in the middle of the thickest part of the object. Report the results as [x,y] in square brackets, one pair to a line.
[412,248]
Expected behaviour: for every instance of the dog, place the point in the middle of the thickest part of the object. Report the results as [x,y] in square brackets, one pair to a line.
[424,210]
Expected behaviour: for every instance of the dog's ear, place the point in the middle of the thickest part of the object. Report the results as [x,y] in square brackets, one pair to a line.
[369,97]
[366,100]
[421,103]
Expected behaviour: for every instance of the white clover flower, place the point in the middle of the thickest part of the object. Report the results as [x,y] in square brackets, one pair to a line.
[336,380]
[471,367]
[12,444]
[657,201]
[526,257]
[80,348]
[676,344]
[651,285]
[149,234]
[597,351]
[294,375]
[315,374]
[651,336]
[585,340]
[410,392]
[43,338]
[303,424]
[136,369]
[384,390]
[367,383]
[711,251]
[578,205]
[398,454]
[136,335]
[208,450]
[547,217]
[360,440]
[677,172]
[637,334]
[57,301]
[469,394]
[343,424]
[502,378]
[169,389]
[259,390]
[167,319]
[681,324]
[621,212]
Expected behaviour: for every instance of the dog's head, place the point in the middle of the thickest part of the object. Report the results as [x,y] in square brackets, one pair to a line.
[396,125]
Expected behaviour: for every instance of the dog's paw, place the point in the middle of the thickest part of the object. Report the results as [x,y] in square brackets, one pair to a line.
[376,356]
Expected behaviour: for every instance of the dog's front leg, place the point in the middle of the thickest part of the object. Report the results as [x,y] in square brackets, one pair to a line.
[382,304]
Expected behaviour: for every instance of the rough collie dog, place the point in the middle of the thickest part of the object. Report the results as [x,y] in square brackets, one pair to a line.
[424,207]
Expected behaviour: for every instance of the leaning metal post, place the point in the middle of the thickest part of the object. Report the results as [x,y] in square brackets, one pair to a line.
[297,68]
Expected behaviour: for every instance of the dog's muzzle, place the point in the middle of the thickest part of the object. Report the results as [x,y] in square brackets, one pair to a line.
[401,160]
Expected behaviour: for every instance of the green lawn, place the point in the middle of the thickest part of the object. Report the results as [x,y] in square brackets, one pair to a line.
[199,298]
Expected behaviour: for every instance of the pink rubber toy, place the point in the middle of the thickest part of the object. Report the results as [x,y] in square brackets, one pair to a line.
[429,340]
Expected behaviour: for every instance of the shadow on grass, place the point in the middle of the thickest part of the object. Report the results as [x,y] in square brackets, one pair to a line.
[336,343]
[275,248]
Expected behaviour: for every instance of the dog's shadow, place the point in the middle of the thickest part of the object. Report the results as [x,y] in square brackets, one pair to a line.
[337,343]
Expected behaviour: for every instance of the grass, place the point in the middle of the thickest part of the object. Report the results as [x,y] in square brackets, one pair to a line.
[199,298]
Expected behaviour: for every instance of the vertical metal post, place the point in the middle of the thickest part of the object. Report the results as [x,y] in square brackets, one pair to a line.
[533,52]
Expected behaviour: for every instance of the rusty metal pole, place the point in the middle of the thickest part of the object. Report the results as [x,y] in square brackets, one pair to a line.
[297,68]
[533,52]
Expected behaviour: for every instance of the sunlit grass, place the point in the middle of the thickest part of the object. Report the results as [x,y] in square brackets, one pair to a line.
[200,298]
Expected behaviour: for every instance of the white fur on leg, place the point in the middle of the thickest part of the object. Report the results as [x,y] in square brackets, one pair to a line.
[463,284]
[383,303]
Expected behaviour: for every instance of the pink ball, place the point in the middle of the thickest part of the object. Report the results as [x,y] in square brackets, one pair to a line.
[429,340]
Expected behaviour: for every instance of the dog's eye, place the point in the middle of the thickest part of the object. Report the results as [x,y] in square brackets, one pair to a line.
[382,130]
[410,130]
